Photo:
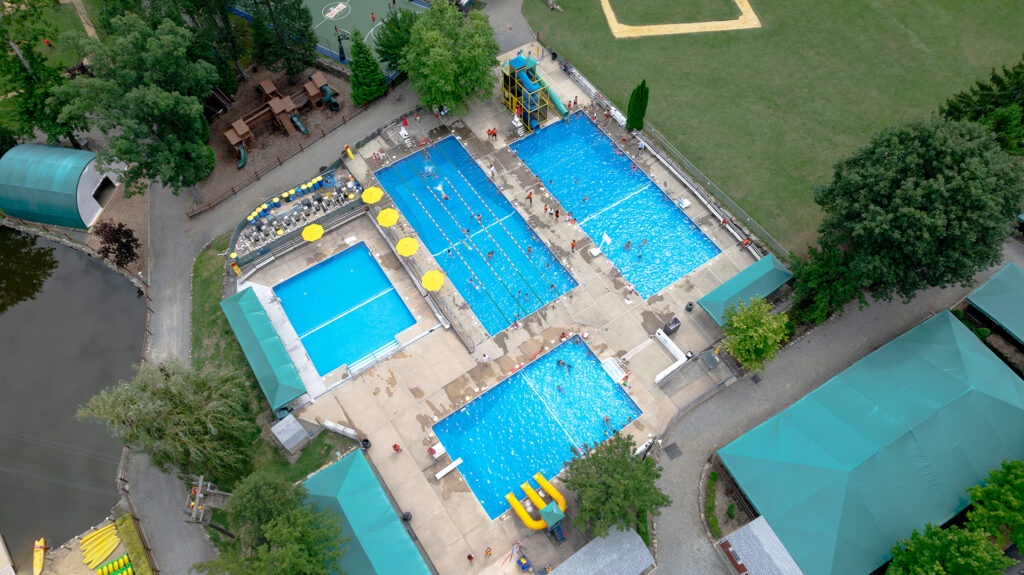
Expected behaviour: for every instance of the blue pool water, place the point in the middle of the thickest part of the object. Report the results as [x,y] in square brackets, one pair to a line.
[585,171]
[343,308]
[525,425]
[519,277]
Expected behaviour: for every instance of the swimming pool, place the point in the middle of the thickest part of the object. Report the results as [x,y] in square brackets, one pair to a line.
[344,309]
[527,425]
[484,246]
[592,179]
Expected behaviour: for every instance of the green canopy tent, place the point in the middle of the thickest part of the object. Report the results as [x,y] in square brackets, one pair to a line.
[759,279]
[1001,298]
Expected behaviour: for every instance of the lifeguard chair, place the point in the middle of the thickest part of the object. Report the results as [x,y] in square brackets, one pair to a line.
[525,93]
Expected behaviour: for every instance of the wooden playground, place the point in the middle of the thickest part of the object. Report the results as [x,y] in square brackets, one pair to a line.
[283,110]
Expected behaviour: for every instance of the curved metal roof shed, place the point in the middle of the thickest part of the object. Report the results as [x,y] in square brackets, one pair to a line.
[53,185]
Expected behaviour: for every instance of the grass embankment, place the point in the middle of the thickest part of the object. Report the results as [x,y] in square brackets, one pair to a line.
[709,506]
[766,112]
[132,542]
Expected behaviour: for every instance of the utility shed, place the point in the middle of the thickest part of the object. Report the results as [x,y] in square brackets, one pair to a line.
[620,553]
[53,185]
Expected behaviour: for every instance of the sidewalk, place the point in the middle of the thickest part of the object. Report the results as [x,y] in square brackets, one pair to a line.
[683,547]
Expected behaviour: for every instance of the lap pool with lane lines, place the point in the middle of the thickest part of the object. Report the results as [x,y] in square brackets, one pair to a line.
[591,178]
[531,422]
[489,253]
[343,308]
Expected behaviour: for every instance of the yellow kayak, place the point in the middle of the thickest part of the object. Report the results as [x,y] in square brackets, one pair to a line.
[38,556]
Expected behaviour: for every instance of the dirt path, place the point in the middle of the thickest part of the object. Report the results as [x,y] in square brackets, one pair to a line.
[746,20]
[90,30]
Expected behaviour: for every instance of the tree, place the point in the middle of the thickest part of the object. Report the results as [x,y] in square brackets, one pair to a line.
[368,81]
[951,551]
[24,267]
[926,203]
[613,486]
[999,504]
[256,501]
[823,284]
[198,423]
[117,242]
[283,37]
[637,107]
[753,333]
[146,97]
[996,103]
[450,57]
[393,36]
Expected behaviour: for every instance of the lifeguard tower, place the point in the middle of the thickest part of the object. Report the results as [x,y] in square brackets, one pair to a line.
[527,94]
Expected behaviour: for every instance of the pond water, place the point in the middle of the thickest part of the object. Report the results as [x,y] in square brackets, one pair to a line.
[68,328]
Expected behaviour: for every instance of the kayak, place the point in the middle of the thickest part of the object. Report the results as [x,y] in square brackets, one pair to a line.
[38,555]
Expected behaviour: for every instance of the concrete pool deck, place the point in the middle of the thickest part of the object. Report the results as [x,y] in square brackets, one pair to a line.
[399,399]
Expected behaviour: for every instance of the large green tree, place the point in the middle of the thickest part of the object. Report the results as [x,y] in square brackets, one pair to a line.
[393,36]
[997,103]
[951,551]
[146,97]
[451,57]
[824,283]
[368,81]
[279,531]
[613,486]
[199,423]
[283,37]
[753,333]
[926,203]
[998,504]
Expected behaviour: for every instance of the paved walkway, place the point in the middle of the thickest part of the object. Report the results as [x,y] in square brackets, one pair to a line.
[510,27]
[683,546]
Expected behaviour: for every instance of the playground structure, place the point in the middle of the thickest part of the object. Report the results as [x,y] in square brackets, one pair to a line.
[551,514]
[527,94]
[283,109]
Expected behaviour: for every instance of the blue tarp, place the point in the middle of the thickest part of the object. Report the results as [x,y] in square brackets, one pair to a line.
[882,448]
[759,280]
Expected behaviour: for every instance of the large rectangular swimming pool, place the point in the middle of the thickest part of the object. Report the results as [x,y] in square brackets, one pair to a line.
[531,422]
[343,308]
[609,197]
[484,246]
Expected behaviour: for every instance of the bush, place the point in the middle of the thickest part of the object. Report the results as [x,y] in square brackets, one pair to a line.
[982,332]
[959,313]
[132,542]
[641,527]
[709,506]
[731,511]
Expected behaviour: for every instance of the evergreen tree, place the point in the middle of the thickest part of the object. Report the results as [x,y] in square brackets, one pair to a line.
[996,103]
[368,81]
[637,108]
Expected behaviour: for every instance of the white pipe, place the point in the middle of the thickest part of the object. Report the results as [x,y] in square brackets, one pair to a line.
[341,430]
[674,351]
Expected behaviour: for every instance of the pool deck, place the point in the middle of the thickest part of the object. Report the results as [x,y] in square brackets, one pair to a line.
[399,399]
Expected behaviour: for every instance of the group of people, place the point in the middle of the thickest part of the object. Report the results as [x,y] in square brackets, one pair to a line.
[492,134]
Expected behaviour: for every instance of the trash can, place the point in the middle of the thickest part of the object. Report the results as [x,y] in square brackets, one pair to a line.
[672,326]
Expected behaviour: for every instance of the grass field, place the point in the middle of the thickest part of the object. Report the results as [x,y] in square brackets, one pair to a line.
[765,113]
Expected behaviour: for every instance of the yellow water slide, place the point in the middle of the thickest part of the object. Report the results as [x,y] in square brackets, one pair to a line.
[521,512]
[555,495]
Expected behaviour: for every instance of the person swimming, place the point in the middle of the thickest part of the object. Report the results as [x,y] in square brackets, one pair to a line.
[628,245]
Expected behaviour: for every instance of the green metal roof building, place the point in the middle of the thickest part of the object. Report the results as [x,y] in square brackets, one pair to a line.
[378,541]
[759,279]
[1001,298]
[263,348]
[53,185]
[882,448]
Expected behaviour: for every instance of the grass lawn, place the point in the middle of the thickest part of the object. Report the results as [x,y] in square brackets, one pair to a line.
[673,11]
[765,113]
[61,18]
[213,343]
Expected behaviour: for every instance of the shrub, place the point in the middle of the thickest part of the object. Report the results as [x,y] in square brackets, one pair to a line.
[641,527]
[982,332]
[731,511]
[709,506]
[959,313]
[133,544]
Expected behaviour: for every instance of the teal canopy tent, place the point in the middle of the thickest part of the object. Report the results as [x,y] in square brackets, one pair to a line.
[1001,298]
[759,279]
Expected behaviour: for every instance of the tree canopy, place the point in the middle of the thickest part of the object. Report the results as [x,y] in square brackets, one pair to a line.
[753,333]
[199,423]
[824,283]
[256,501]
[926,203]
[450,57]
[368,81]
[393,36]
[996,103]
[999,504]
[145,96]
[952,551]
[612,486]
[637,108]
[117,242]
[283,37]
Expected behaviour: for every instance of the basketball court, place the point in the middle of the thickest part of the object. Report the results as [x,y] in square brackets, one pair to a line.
[335,20]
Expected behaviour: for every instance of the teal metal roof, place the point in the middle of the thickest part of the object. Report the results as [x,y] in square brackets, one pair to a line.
[378,542]
[1001,298]
[40,184]
[759,280]
[882,448]
[267,355]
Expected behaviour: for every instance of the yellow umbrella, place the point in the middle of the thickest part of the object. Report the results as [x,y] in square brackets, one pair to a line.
[433,280]
[312,232]
[387,217]
[372,195]
[407,246]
